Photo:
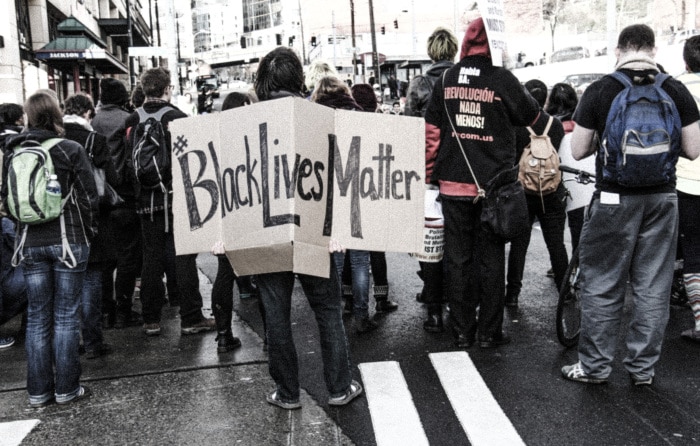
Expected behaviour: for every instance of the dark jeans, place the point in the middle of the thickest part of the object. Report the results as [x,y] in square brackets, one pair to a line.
[432,275]
[689,228]
[91,308]
[126,232]
[552,221]
[325,300]
[575,217]
[359,270]
[222,295]
[53,322]
[156,255]
[474,271]
[377,262]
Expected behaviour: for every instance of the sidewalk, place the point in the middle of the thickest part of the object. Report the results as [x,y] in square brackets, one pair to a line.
[168,389]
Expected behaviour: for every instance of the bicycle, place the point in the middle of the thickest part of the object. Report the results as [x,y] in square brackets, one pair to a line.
[569,303]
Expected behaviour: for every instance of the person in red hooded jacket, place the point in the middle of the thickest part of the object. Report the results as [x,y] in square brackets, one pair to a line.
[474,108]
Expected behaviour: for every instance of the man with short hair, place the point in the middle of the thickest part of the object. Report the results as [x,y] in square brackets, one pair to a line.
[124,225]
[155,211]
[630,230]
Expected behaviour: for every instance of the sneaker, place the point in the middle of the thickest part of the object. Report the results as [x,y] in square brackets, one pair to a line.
[691,335]
[151,329]
[48,402]
[206,324]
[642,381]
[386,306]
[574,372]
[83,393]
[274,399]
[353,391]
[101,350]
[7,342]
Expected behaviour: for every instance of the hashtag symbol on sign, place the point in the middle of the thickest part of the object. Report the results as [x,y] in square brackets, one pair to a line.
[180,145]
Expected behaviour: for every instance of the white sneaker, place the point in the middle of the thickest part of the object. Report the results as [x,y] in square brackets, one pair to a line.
[574,372]
[354,390]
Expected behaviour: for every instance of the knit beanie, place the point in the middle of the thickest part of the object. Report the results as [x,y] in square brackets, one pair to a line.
[113,91]
[476,42]
[365,97]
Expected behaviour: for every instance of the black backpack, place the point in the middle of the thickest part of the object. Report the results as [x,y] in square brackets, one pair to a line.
[149,150]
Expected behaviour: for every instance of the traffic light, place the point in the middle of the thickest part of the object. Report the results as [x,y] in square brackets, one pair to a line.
[313,40]
[396,24]
[383,30]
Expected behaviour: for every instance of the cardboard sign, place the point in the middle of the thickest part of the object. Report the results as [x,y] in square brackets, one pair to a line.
[494,17]
[276,180]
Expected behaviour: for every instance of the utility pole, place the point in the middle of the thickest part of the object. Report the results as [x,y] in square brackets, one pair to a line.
[303,42]
[335,64]
[132,81]
[354,48]
[375,57]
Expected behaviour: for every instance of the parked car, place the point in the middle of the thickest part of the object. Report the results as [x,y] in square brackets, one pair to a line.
[581,81]
[569,53]
[682,35]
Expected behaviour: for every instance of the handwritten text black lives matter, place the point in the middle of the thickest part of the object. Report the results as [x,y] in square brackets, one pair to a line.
[231,187]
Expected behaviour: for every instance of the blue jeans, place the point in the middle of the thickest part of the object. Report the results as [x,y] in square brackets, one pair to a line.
[91,308]
[53,322]
[634,240]
[359,267]
[325,300]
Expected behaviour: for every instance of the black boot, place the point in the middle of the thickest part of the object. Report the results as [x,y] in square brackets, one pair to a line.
[384,305]
[365,325]
[434,322]
[227,342]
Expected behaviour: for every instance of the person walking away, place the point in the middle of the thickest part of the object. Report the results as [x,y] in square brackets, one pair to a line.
[631,226]
[442,49]
[78,109]
[561,103]
[474,258]
[280,74]
[334,93]
[688,186]
[124,224]
[549,209]
[155,213]
[54,269]
[222,289]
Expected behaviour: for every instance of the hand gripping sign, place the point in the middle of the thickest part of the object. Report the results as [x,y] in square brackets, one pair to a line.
[276,180]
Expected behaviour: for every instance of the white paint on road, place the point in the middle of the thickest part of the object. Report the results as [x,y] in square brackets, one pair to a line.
[12,433]
[479,413]
[394,416]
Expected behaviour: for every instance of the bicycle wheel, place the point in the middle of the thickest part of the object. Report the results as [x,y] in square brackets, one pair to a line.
[569,305]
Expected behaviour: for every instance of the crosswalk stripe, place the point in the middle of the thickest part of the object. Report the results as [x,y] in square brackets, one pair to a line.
[13,432]
[394,416]
[479,413]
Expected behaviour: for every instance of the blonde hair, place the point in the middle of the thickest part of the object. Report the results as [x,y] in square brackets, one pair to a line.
[318,69]
[329,86]
[442,45]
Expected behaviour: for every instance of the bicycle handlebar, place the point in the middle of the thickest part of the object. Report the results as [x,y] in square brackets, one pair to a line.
[581,175]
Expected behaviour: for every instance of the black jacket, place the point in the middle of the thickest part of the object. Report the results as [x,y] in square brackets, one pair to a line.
[421,88]
[73,170]
[150,201]
[110,122]
[102,248]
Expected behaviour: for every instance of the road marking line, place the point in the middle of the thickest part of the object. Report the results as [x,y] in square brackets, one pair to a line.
[12,433]
[479,413]
[394,416]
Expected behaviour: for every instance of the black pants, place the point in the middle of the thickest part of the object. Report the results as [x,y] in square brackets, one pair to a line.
[126,233]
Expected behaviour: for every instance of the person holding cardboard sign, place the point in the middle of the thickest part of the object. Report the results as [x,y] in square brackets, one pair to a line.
[280,74]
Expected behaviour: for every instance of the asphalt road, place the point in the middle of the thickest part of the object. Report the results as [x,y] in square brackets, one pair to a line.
[523,377]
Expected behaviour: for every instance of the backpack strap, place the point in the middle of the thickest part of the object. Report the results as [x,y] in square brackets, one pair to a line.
[49,143]
[546,129]
[144,115]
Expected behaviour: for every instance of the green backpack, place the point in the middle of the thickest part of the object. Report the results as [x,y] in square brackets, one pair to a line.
[29,171]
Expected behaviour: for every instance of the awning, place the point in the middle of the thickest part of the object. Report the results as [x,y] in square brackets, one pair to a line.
[64,52]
